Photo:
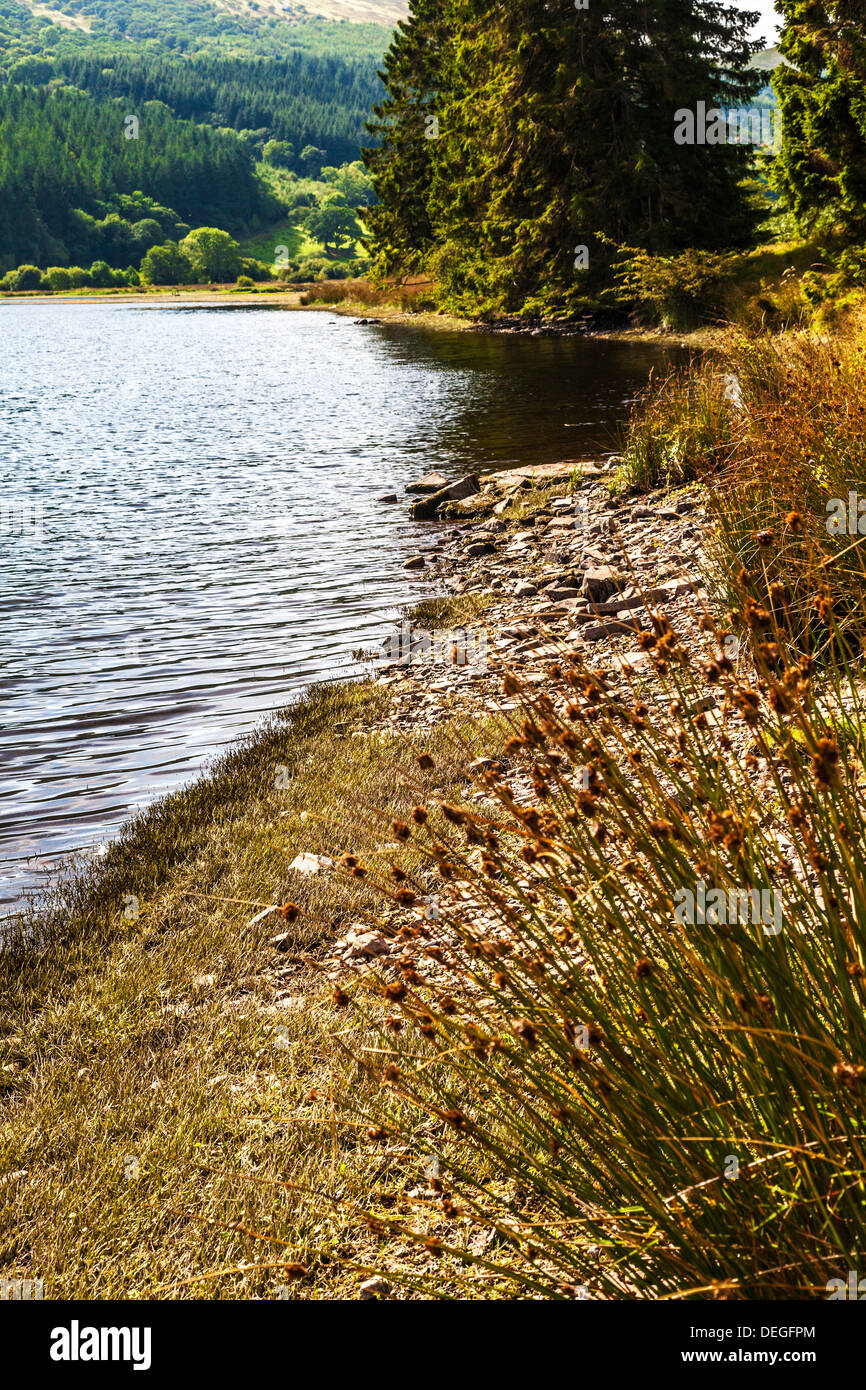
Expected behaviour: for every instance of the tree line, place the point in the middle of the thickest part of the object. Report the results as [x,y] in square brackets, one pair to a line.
[66,164]
[301,98]
[520,147]
[208,97]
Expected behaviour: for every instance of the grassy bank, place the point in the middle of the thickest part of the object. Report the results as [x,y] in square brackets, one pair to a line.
[618,1098]
[637,1040]
[165,1063]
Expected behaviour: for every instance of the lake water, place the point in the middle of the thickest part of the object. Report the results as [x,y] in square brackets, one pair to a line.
[189,533]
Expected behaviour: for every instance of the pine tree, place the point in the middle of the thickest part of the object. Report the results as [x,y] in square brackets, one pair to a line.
[401,165]
[556,131]
[821,168]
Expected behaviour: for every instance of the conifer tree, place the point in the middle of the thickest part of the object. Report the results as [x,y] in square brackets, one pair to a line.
[821,168]
[400,231]
[556,131]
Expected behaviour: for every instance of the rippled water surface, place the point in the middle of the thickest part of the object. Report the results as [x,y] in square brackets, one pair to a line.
[189,532]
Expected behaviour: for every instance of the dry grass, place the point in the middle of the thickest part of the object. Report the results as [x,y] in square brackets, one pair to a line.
[799,453]
[363,294]
[159,1073]
[680,430]
[451,611]
[632,1100]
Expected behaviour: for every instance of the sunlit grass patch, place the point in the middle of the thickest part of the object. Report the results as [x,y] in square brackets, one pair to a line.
[451,610]
[680,430]
[165,1065]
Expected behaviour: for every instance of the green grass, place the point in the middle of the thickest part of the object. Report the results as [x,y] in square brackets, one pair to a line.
[262,245]
[452,611]
[680,431]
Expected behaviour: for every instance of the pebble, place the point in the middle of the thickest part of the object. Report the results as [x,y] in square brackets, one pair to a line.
[374,1288]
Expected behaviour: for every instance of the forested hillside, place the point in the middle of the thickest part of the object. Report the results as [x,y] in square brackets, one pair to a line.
[301,98]
[187,26]
[208,91]
[65,160]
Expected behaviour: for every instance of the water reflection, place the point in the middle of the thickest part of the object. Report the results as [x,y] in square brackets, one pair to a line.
[209,539]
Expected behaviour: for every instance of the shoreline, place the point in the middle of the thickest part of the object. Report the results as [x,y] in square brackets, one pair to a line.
[386,313]
[167,990]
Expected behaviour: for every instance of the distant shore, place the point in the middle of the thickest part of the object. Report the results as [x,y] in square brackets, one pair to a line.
[293,299]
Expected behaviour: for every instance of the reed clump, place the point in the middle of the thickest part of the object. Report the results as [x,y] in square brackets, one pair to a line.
[406,298]
[630,1045]
[787,520]
[681,430]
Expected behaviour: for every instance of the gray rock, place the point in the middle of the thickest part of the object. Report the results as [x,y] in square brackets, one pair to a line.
[427,507]
[369,944]
[480,548]
[599,584]
[612,628]
[389,497]
[525,590]
[374,1288]
[431,482]
[674,589]
[481,765]
[617,604]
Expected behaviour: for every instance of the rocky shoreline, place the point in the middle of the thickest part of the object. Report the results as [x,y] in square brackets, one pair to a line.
[556,560]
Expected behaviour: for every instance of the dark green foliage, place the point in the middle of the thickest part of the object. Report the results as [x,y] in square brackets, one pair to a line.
[821,169]
[333,225]
[100,275]
[279,153]
[27,277]
[64,161]
[297,100]
[401,163]
[213,254]
[166,265]
[512,134]
[210,91]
